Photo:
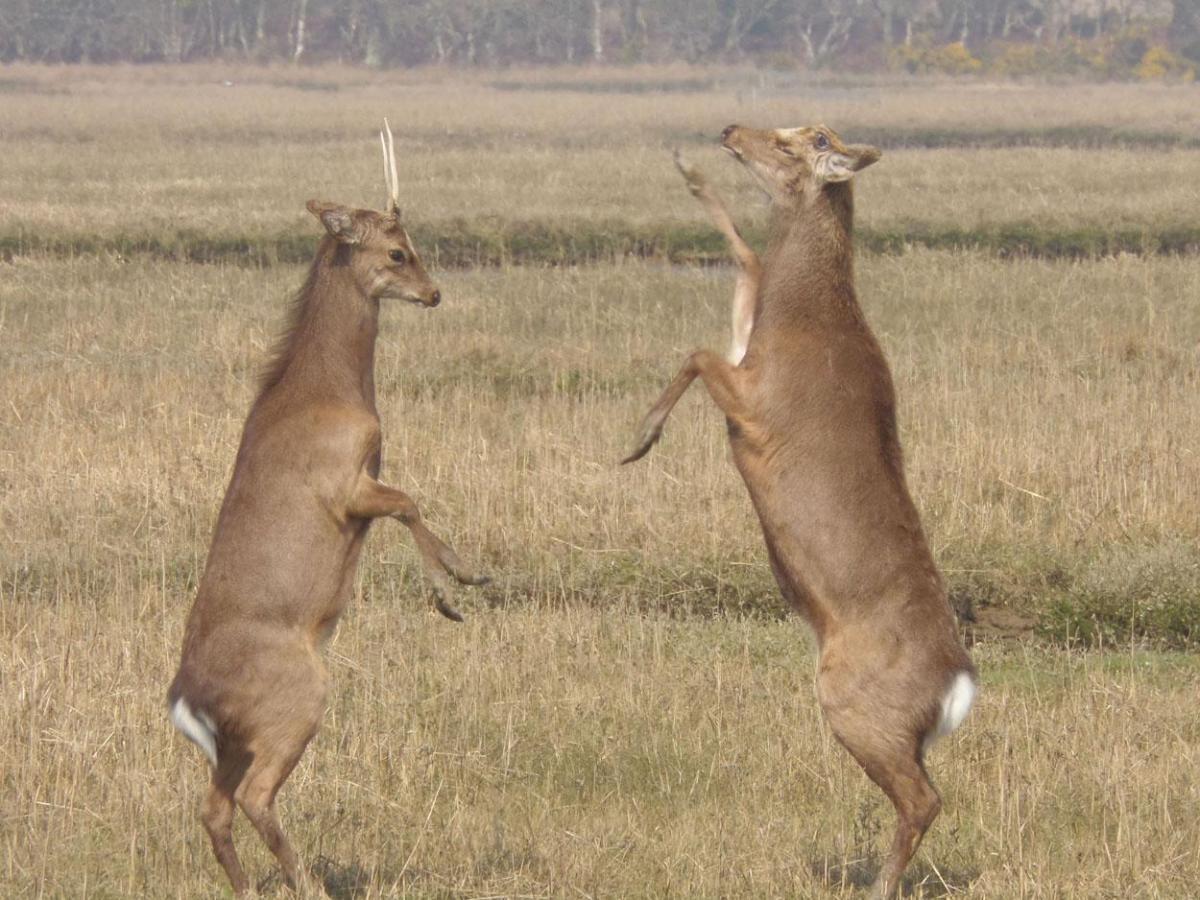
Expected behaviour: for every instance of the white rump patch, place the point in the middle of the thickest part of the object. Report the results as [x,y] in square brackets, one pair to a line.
[197,727]
[955,705]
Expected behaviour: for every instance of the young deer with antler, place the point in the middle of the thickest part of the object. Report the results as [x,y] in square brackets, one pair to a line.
[812,424]
[251,686]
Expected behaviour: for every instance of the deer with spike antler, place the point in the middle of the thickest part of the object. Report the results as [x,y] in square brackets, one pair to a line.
[811,411]
[251,687]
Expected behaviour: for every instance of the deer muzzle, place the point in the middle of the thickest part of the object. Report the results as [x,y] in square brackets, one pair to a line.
[729,139]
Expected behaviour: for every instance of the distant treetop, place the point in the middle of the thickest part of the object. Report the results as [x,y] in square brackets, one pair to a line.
[1098,38]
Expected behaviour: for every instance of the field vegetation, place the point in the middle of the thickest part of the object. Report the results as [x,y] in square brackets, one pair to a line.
[628,710]
[968,165]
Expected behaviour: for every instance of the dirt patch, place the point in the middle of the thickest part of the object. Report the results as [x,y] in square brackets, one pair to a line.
[991,623]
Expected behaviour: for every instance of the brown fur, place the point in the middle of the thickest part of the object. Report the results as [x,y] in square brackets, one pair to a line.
[281,567]
[811,413]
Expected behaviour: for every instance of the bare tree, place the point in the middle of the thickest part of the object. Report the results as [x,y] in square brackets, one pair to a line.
[1184,30]
[824,27]
[298,30]
[597,31]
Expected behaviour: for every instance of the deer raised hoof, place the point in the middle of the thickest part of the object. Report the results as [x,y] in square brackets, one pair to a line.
[691,175]
[745,290]
[648,435]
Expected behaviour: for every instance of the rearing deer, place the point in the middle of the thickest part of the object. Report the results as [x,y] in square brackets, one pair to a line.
[251,686]
[812,424]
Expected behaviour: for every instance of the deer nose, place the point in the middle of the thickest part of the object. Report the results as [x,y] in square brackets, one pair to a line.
[435,298]
[729,129]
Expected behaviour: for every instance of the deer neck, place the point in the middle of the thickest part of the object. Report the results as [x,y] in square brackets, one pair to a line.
[331,350]
[809,268]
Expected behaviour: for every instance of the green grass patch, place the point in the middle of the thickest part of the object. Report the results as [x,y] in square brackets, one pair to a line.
[1142,599]
[1130,597]
[612,86]
[1155,618]
[1022,239]
[459,243]
[1145,596]
[28,86]
[1083,137]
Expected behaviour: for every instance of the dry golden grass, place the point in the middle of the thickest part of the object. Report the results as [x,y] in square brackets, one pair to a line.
[594,729]
[563,743]
[1047,412]
[589,753]
[147,156]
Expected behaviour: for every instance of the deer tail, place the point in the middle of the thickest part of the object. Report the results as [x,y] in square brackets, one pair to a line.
[196,727]
[955,705]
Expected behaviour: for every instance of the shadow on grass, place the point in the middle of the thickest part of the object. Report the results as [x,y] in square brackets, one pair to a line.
[342,881]
[920,879]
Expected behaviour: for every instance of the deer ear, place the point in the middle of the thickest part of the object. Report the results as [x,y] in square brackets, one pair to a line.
[839,166]
[338,221]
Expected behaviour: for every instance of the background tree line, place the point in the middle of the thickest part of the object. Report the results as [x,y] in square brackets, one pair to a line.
[950,35]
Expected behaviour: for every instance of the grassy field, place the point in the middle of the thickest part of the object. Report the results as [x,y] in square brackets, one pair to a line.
[183,164]
[627,712]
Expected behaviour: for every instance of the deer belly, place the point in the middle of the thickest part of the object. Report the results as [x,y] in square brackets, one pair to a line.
[296,569]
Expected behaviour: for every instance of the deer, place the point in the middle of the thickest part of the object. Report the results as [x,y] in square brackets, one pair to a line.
[251,687]
[810,409]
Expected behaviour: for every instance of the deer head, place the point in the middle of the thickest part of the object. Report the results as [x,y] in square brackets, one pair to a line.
[792,161]
[375,245]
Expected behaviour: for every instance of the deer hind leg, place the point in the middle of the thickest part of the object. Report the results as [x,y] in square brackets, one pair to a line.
[917,804]
[216,813]
[724,383]
[278,730]
[888,747]
[745,290]
[256,798]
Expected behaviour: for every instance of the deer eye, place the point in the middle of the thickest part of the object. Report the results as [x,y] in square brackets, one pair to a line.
[398,256]
[822,142]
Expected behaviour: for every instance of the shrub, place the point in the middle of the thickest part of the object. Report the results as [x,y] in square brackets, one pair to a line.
[948,59]
[1160,64]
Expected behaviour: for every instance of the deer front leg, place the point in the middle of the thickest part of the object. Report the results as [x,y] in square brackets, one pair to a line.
[724,386]
[373,500]
[745,290]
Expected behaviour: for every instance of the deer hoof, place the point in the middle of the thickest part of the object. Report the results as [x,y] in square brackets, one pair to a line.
[440,604]
[648,439]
